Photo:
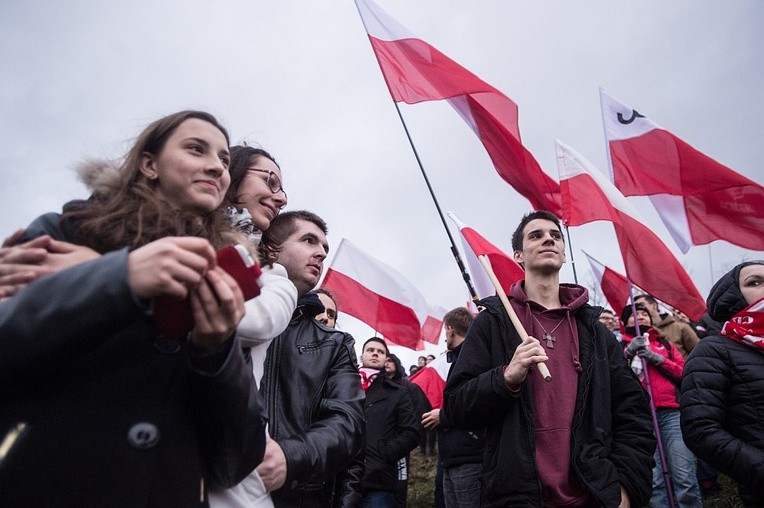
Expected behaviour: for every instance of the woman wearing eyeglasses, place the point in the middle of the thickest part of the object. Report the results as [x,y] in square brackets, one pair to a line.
[257,196]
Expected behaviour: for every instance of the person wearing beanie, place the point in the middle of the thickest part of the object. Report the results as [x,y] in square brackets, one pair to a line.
[722,399]
[644,346]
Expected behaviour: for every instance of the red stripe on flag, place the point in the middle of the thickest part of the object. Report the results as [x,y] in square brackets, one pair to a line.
[415,72]
[432,380]
[397,323]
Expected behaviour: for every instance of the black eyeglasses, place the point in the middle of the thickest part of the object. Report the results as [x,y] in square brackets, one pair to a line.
[273,182]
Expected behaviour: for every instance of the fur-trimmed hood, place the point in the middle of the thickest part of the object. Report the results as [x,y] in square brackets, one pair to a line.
[101,176]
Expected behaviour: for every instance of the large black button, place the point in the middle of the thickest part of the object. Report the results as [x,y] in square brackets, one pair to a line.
[143,435]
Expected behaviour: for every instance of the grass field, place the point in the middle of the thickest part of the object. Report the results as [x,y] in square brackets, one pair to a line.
[422,486]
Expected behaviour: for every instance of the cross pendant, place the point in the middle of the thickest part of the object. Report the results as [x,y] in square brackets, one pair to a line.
[549,338]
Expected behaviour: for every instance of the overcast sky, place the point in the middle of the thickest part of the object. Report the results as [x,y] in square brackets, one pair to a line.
[81,79]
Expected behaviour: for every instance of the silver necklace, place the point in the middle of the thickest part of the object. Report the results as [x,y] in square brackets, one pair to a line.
[548,337]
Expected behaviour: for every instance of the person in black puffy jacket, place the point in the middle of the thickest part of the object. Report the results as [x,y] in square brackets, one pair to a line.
[722,402]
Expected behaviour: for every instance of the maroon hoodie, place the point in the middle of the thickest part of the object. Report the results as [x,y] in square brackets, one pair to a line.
[554,402]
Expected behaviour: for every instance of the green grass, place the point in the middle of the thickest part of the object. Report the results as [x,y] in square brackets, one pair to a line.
[421,492]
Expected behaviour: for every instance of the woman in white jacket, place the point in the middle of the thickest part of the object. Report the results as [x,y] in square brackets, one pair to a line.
[257,196]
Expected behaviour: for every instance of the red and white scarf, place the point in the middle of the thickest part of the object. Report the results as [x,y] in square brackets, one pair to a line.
[747,326]
[368,376]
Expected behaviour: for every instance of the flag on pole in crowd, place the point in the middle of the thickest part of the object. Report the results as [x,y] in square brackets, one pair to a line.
[698,199]
[614,286]
[473,244]
[415,72]
[588,196]
[432,380]
[381,297]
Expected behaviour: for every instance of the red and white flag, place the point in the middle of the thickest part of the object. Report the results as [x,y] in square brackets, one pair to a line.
[473,244]
[614,286]
[698,199]
[381,297]
[415,72]
[432,380]
[588,196]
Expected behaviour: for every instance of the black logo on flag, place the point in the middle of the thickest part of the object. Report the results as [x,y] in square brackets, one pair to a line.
[634,114]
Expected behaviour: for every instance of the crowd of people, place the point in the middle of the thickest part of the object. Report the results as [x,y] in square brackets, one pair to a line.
[262,402]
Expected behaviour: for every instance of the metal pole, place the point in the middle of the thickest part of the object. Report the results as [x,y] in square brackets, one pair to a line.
[454,251]
[572,261]
[653,411]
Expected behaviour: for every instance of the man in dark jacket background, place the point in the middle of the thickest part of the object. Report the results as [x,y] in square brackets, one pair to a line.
[583,439]
[311,388]
[460,451]
[392,429]
[395,372]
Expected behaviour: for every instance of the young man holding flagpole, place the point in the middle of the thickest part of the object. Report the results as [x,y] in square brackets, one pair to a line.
[584,438]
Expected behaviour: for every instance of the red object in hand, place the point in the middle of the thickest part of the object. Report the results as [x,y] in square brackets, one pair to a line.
[173,316]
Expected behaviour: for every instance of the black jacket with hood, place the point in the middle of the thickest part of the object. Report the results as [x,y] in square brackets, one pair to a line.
[392,431]
[612,442]
[722,402]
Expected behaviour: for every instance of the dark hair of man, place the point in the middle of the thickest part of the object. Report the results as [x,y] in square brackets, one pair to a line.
[328,293]
[459,319]
[376,339]
[649,299]
[131,213]
[607,311]
[281,228]
[243,157]
[517,236]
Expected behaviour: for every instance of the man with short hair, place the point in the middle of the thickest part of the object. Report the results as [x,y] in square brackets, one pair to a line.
[680,334]
[396,373]
[311,387]
[460,451]
[391,427]
[583,439]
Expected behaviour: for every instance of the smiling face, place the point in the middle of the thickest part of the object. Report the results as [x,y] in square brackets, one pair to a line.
[543,249]
[256,196]
[191,170]
[752,283]
[303,254]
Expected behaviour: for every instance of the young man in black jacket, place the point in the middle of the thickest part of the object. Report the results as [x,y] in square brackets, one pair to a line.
[583,439]
[460,451]
[392,429]
[311,388]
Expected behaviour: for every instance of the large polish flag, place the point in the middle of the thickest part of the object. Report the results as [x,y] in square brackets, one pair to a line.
[381,297]
[473,245]
[415,72]
[614,286]
[588,196]
[698,199]
[432,380]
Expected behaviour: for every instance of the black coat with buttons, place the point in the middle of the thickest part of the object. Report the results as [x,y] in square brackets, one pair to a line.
[392,431]
[101,410]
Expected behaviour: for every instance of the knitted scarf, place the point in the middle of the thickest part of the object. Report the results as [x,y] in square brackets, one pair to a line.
[747,326]
[368,376]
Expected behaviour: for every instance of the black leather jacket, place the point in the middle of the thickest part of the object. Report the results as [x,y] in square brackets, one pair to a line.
[312,392]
